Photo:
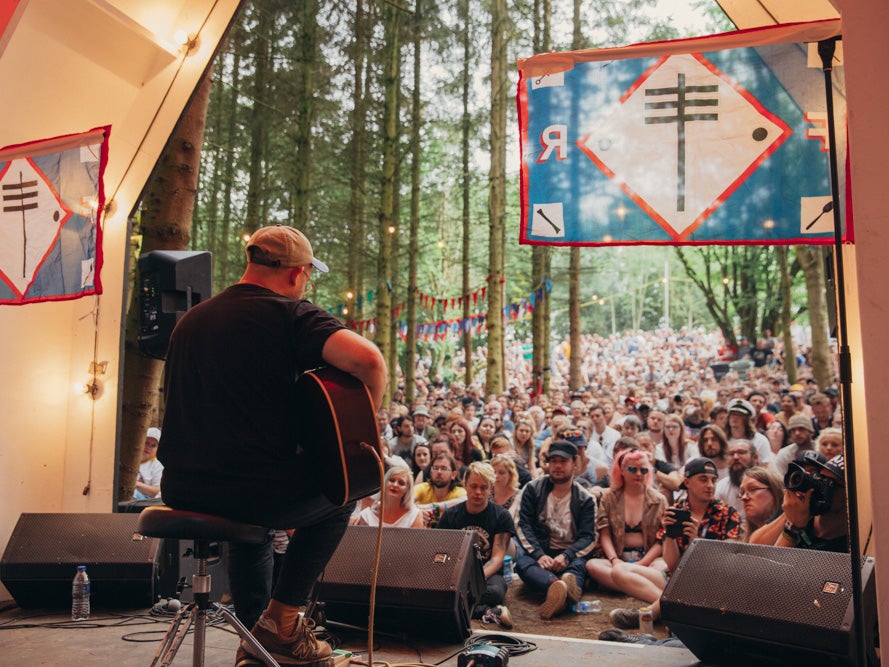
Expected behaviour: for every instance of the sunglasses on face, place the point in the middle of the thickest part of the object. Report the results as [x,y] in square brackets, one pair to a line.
[634,469]
[576,433]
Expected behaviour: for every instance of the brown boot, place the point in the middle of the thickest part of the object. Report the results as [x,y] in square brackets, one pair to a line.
[301,648]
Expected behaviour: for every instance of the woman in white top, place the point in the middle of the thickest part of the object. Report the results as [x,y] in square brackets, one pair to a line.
[675,448]
[397,503]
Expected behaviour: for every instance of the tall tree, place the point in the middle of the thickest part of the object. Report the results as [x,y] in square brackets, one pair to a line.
[259,115]
[574,357]
[541,256]
[811,261]
[166,220]
[357,174]
[305,105]
[465,130]
[786,317]
[387,216]
[410,380]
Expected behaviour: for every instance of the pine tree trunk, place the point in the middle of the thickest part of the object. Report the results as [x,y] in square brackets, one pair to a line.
[166,225]
[786,301]
[357,177]
[811,261]
[387,217]
[410,380]
[497,198]
[466,194]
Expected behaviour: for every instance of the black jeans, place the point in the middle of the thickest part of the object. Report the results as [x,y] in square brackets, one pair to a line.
[319,526]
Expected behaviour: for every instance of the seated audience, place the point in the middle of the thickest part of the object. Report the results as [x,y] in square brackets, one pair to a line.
[395,507]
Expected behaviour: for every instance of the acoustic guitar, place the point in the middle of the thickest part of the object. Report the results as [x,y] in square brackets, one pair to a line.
[339,430]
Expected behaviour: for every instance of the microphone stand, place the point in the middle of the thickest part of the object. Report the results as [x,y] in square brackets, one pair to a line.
[826,50]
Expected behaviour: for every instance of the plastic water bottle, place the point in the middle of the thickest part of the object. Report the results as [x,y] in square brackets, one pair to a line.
[80,595]
[587,607]
[507,569]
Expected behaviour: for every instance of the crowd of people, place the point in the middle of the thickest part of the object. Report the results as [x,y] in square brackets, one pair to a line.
[607,487]
[675,437]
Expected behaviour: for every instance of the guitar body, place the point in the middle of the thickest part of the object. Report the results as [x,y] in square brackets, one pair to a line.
[337,416]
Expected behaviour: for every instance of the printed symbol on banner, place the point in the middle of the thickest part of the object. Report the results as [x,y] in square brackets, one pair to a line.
[31,217]
[681,139]
[548,80]
[816,215]
[818,119]
[547,220]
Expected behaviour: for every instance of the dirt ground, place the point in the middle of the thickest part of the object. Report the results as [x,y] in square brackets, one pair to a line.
[523,606]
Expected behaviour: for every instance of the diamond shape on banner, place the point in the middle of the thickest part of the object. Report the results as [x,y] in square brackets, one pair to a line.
[681,139]
[31,218]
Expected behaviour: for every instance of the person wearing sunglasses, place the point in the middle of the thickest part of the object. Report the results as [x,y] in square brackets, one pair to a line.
[627,522]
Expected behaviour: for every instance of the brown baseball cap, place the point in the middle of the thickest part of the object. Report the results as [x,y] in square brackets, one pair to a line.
[282,246]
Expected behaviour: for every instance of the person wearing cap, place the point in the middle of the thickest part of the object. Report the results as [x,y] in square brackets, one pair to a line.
[556,532]
[710,518]
[740,427]
[231,430]
[148,481]
[422,425]
[797,526]
[801,431]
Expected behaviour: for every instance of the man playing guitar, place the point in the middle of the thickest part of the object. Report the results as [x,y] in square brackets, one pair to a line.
[231,429]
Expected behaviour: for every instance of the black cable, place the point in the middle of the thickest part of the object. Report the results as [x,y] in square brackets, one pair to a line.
[513,645]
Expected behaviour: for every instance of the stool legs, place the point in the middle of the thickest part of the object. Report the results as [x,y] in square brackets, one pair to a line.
[195,613]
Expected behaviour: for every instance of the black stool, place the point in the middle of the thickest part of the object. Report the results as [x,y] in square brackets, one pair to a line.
[166,522]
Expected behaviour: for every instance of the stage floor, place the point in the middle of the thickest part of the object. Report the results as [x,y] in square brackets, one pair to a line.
[130,638]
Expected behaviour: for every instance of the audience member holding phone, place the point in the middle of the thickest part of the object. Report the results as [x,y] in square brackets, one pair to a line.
[700,515]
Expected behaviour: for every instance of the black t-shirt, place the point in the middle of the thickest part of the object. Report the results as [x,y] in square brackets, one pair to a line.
[230,431]
[487,523]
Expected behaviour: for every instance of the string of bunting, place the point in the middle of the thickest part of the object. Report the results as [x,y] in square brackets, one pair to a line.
[425,300]
[441,329]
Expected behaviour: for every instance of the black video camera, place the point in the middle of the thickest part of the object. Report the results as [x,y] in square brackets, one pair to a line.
[799,479]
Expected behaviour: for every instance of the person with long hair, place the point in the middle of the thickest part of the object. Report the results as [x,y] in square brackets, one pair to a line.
[523,442]
[675,448]
[487,427]
[395,507]
[762,493]
[777,435]
[506,484]
[713,445]
[829,442]
[460,434]
[627,521]
[421,457]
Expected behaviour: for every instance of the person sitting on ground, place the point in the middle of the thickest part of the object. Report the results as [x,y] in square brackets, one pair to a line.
[713,445]
[741,455]
[627,520]
[829,442]
[501,446]
[395,505]
[761,493]
[148,480]
[486,429]
[801,431]
[556,532]
[462,447]
[494,527]
[822,525]
[506,492]
[777,435]
[442,489]
[420,460]
[740,427]
[523,443]
[710,518]
[665,479]
[675,448]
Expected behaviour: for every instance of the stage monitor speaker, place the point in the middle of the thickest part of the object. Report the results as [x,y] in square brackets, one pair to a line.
[427,585]
[44,551]
[170,282]
[746,604]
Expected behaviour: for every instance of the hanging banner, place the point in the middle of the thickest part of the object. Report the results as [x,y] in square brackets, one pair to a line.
[51,203]
[719,139]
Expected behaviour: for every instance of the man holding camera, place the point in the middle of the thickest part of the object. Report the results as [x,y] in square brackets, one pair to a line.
[814,508]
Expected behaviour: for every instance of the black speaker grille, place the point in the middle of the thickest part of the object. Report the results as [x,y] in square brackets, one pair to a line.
[811,588]
[44,550]
[428,580]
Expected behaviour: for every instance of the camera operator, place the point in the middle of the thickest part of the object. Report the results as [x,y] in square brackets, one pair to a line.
[814,508]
